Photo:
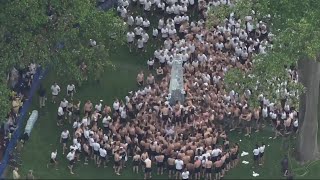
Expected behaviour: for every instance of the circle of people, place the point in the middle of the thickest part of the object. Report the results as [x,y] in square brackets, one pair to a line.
[188,139]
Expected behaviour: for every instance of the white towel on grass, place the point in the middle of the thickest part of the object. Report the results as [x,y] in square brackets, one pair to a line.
[244,153]
[254,174]
[245,162]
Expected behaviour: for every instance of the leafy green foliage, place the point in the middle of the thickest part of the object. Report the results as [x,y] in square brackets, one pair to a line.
[57,33]
[295,25]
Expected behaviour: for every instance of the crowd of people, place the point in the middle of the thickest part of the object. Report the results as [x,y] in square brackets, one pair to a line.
[19,80]
[186,139]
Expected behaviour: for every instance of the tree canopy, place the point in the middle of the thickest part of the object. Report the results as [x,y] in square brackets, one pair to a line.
[295,26]
[57,33]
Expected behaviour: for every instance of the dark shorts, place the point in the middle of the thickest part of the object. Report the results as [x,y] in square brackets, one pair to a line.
[217,169]
[117,163]
[261,154]
[255,157]
[103,158]
[171,167]
[208,170]
[70,92]
[64,141]
[147,170]
[96,152]
[135,163]
[60,117]
[159,164]
[71,162]
[130,42]
[197,170]
[179,170]
[52,161]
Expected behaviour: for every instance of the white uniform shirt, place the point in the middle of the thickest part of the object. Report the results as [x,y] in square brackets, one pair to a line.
[55,90]
[256,152]
[71,156]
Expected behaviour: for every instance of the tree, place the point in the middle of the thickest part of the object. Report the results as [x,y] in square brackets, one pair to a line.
[295,25]
[57,33]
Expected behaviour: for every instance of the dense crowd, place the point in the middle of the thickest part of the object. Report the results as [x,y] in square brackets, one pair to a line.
[187,139]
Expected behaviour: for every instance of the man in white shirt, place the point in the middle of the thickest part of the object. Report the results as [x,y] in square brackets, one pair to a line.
[179,166]
[53,159]
[60,116]
[139,20]
[145,37]
[71,88]
[146,24]
[261,153]
[65,135]
[55,89]
[150,63]
[71,157]
[185,174]
[256,153]
[140,44]
[103,157]
[130,39]
[130,20]
[98,107]
[96,147]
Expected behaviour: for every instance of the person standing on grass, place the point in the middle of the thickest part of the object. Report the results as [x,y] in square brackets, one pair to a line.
[42,96]
[147,170]
[86,150]
[117,159]
[140,79]
[15,173]
[71,157]
[64,103]
[159,159]
[185,174]
[135,162]
[261,153]
[130,39]
[65,135]
[55,90]
[71,89]
[60,116]
[53,159]
[30,175]
[96,147]
[103,157]
[256,155]
[179,166]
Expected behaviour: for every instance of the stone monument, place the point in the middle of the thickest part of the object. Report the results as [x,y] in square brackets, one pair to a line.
[176,88]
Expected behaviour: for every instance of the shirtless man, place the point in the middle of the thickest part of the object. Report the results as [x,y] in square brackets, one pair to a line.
[208,169]
[86,150]
[171,166]
[160,163]
[217,165]
[165,114]
[147,172]
[135,163]
[117,159]
[197,168]
[140,78]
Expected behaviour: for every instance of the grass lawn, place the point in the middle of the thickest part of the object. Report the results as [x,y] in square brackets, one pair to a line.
[116,84]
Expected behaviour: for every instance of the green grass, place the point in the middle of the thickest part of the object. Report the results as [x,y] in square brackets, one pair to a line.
[116,84]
